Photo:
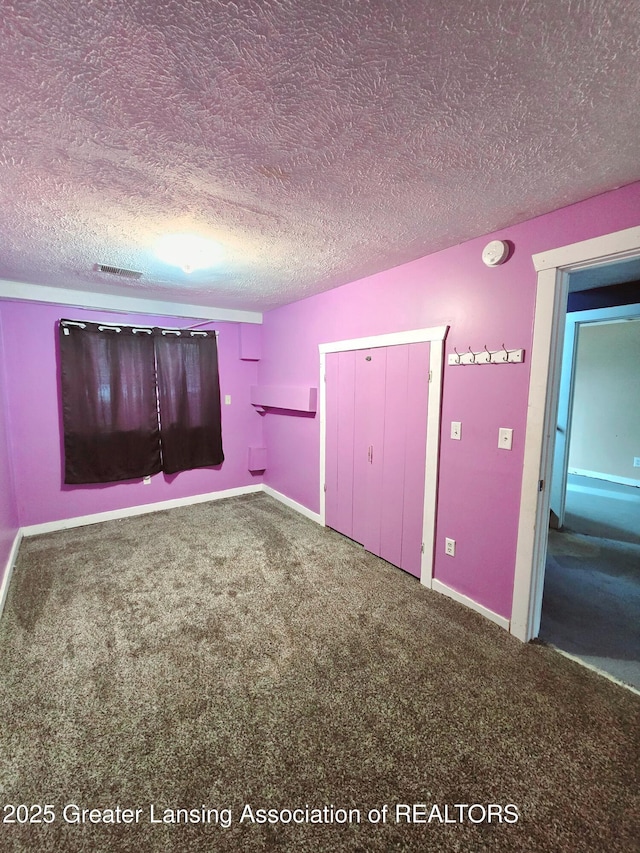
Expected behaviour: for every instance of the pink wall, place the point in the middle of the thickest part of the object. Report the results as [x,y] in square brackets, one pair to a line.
[479,486]
[32,392]
[8,507]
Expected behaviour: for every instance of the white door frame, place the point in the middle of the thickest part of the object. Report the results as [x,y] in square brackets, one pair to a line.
[553,270]
[435,336]
[574,323]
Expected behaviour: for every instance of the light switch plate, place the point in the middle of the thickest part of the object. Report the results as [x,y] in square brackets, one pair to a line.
[505,437]
[456,430]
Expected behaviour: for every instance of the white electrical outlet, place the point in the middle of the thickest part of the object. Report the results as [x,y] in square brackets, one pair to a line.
[505,437]
[146,481]
[227,399]
[450,547]
[456,430]
[636,461]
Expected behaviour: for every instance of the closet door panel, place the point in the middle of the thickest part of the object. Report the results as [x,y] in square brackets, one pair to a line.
[340,403]
[415,456]
[394,454]
[376,415]
[346,415]
[331,445]
[368,446]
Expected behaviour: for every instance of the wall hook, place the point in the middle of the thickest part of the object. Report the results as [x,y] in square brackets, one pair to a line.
[482,354]
[473,356]
[458,354]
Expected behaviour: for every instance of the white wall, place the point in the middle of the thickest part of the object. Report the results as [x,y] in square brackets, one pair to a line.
[605,431]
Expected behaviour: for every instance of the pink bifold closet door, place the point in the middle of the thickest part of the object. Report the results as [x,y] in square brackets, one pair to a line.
[368,423]
[376,421]
[340,409]
[415,456]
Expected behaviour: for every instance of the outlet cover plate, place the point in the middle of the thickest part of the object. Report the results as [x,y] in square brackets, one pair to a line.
[450,547]
[505,437]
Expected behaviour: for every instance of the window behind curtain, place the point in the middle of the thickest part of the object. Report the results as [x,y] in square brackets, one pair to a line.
[115,385]
[189,399]
[109,404]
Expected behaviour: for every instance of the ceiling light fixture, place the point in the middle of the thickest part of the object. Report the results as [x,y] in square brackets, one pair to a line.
[188,252]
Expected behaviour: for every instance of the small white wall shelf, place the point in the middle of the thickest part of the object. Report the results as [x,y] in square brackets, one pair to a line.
[257,459]
[293,397]
[485,356]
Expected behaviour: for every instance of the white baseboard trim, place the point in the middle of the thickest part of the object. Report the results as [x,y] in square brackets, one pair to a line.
[8,570]
[597,475]
[303,510]
[126,512]
[442,588]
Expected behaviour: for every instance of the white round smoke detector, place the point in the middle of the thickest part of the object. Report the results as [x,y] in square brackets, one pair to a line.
[495,253]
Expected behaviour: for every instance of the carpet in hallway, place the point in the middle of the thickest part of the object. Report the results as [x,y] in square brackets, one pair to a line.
[591,602]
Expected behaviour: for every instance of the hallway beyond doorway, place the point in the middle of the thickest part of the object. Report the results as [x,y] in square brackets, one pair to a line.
[602,508]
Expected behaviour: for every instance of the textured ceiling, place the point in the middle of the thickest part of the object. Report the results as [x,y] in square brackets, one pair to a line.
[318,141]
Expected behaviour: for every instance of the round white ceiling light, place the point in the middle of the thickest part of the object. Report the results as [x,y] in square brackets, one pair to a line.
[495,253]
[189,252]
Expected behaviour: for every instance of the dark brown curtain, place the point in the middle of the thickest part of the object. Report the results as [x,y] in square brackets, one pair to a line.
[189,399]
[109,403]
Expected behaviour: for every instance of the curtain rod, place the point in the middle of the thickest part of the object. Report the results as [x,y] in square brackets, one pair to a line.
[203,323]
[139,326]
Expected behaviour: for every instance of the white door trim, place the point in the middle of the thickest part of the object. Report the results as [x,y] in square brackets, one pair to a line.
[435,336]
[553,268]
[574,323]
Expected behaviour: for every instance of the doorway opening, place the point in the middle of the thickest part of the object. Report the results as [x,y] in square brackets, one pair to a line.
[554,268]
[591,598]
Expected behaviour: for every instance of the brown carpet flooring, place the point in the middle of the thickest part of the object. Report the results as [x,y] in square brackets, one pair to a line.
[235,653]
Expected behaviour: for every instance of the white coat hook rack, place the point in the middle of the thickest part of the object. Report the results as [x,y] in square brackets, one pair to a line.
[487,356]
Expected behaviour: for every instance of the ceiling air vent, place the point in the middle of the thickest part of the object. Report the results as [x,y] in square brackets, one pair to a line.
[118,271]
